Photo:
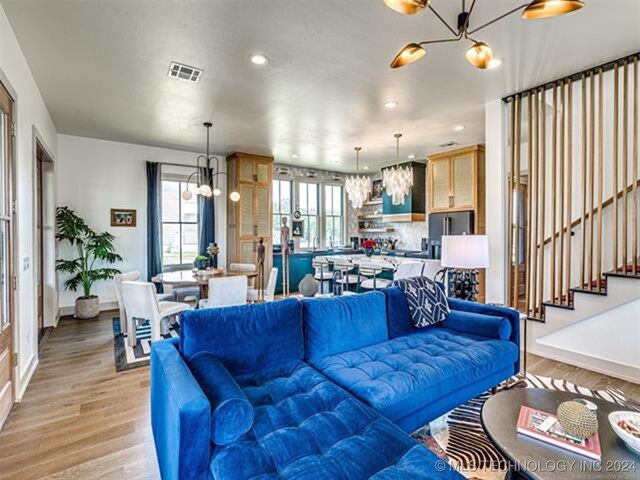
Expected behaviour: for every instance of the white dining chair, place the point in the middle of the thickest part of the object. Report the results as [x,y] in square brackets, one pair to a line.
[226,292]
[133,276]
[409,269]
[245,267]
[140,302]
[253,294]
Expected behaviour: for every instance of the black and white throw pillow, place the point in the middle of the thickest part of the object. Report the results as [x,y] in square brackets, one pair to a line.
[427,302]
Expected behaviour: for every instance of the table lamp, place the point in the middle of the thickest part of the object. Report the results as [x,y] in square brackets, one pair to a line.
[462,256]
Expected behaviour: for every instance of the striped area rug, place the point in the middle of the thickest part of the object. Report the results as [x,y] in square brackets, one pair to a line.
[459,437]
[127,357]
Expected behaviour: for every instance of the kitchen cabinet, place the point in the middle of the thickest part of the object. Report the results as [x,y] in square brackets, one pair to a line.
[250,218]
[456,179]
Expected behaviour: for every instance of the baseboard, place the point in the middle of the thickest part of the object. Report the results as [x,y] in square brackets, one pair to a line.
[26,378]
[70,309]
[628,373]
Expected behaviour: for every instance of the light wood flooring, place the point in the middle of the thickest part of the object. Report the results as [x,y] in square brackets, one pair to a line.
[79,419]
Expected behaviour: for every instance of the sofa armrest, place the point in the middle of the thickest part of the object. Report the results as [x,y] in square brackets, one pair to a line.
[463,313]
[180,416]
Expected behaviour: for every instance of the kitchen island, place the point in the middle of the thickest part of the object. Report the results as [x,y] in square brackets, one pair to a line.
[301,263]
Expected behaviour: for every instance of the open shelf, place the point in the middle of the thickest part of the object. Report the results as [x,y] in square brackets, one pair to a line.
[375,230]
[373,202]
[370,216]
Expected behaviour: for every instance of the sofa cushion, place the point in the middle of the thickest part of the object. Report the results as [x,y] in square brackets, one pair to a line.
[243,337]
[402,375]
[306,427]
[231,412]
[340,324]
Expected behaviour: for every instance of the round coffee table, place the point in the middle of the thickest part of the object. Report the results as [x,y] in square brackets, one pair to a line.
[532,459]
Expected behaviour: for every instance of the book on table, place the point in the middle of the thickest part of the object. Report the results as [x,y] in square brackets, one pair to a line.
[545,427]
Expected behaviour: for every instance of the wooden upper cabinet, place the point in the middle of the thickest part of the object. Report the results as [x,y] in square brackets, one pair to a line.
[250,217]
[454,179]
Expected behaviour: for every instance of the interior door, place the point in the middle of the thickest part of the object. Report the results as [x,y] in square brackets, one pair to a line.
[6,283]
[40,239]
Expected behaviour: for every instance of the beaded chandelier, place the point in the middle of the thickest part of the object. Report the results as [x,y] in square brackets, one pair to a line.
[357,187]
[397,181]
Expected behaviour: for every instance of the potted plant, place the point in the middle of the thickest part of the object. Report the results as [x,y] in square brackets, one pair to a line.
[368,246]
[201,262]
[91,247]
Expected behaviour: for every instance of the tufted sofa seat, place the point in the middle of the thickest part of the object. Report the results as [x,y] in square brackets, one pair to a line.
[306,427]
[406,373]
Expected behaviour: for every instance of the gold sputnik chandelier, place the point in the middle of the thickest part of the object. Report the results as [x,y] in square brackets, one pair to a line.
[479,54]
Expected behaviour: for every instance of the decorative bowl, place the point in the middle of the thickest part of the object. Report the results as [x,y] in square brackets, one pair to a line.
[633,442]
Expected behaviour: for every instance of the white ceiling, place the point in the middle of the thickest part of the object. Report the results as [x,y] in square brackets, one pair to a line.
[102,69]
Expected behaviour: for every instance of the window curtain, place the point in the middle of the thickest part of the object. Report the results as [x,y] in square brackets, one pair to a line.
[206,222]
[154,218]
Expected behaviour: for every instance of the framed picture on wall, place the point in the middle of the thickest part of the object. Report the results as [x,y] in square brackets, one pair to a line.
[123,217]
[376,190]
[297,229]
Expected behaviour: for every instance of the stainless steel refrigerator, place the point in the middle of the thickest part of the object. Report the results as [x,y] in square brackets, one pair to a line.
[448,223]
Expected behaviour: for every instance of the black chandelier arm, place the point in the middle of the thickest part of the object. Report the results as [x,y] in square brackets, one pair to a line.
[444,40]
[443,20]
[466,24]
[231,177]
[504,15]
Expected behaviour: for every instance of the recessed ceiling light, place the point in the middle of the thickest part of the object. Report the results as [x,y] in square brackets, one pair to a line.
[390,104]
[411,157]
[295,155]
[366,167]
[259,59]
[458,128]
[495,63]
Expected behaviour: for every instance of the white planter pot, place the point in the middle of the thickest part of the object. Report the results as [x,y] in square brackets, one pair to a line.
[87,307]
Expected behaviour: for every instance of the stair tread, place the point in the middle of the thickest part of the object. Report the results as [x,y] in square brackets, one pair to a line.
[602,293]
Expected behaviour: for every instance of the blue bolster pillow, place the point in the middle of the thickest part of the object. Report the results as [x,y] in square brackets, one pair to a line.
[231,412]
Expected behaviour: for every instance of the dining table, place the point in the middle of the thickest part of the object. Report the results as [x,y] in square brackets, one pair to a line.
[199,278]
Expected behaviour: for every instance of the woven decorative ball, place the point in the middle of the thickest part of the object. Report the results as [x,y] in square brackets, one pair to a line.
[577,419]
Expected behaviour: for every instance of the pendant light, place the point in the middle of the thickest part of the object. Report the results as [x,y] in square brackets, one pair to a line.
[479,54]
[408,7]
[357,187]
[550,8]
[408,54]
[205,186]
[397,181]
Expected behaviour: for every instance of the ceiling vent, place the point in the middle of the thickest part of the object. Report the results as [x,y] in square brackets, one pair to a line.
[448,144]
[184,72]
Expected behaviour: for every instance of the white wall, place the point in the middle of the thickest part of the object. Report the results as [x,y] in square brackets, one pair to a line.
[94,176]
[496,200]
[31,116]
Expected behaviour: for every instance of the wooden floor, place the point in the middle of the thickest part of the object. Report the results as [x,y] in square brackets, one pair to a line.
[79,419]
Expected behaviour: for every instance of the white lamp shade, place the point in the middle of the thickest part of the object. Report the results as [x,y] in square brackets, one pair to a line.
[465,251]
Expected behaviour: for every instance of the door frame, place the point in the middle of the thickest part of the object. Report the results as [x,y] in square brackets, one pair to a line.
[38,140]
[12,280]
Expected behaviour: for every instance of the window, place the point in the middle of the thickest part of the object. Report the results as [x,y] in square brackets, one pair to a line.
[333,219]
[308,206]
[179,224]
[281,206]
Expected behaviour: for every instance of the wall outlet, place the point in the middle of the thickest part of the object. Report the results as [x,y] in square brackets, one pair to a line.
[26,263]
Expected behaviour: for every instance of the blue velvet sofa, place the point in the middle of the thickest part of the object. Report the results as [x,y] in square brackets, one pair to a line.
[319,388]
